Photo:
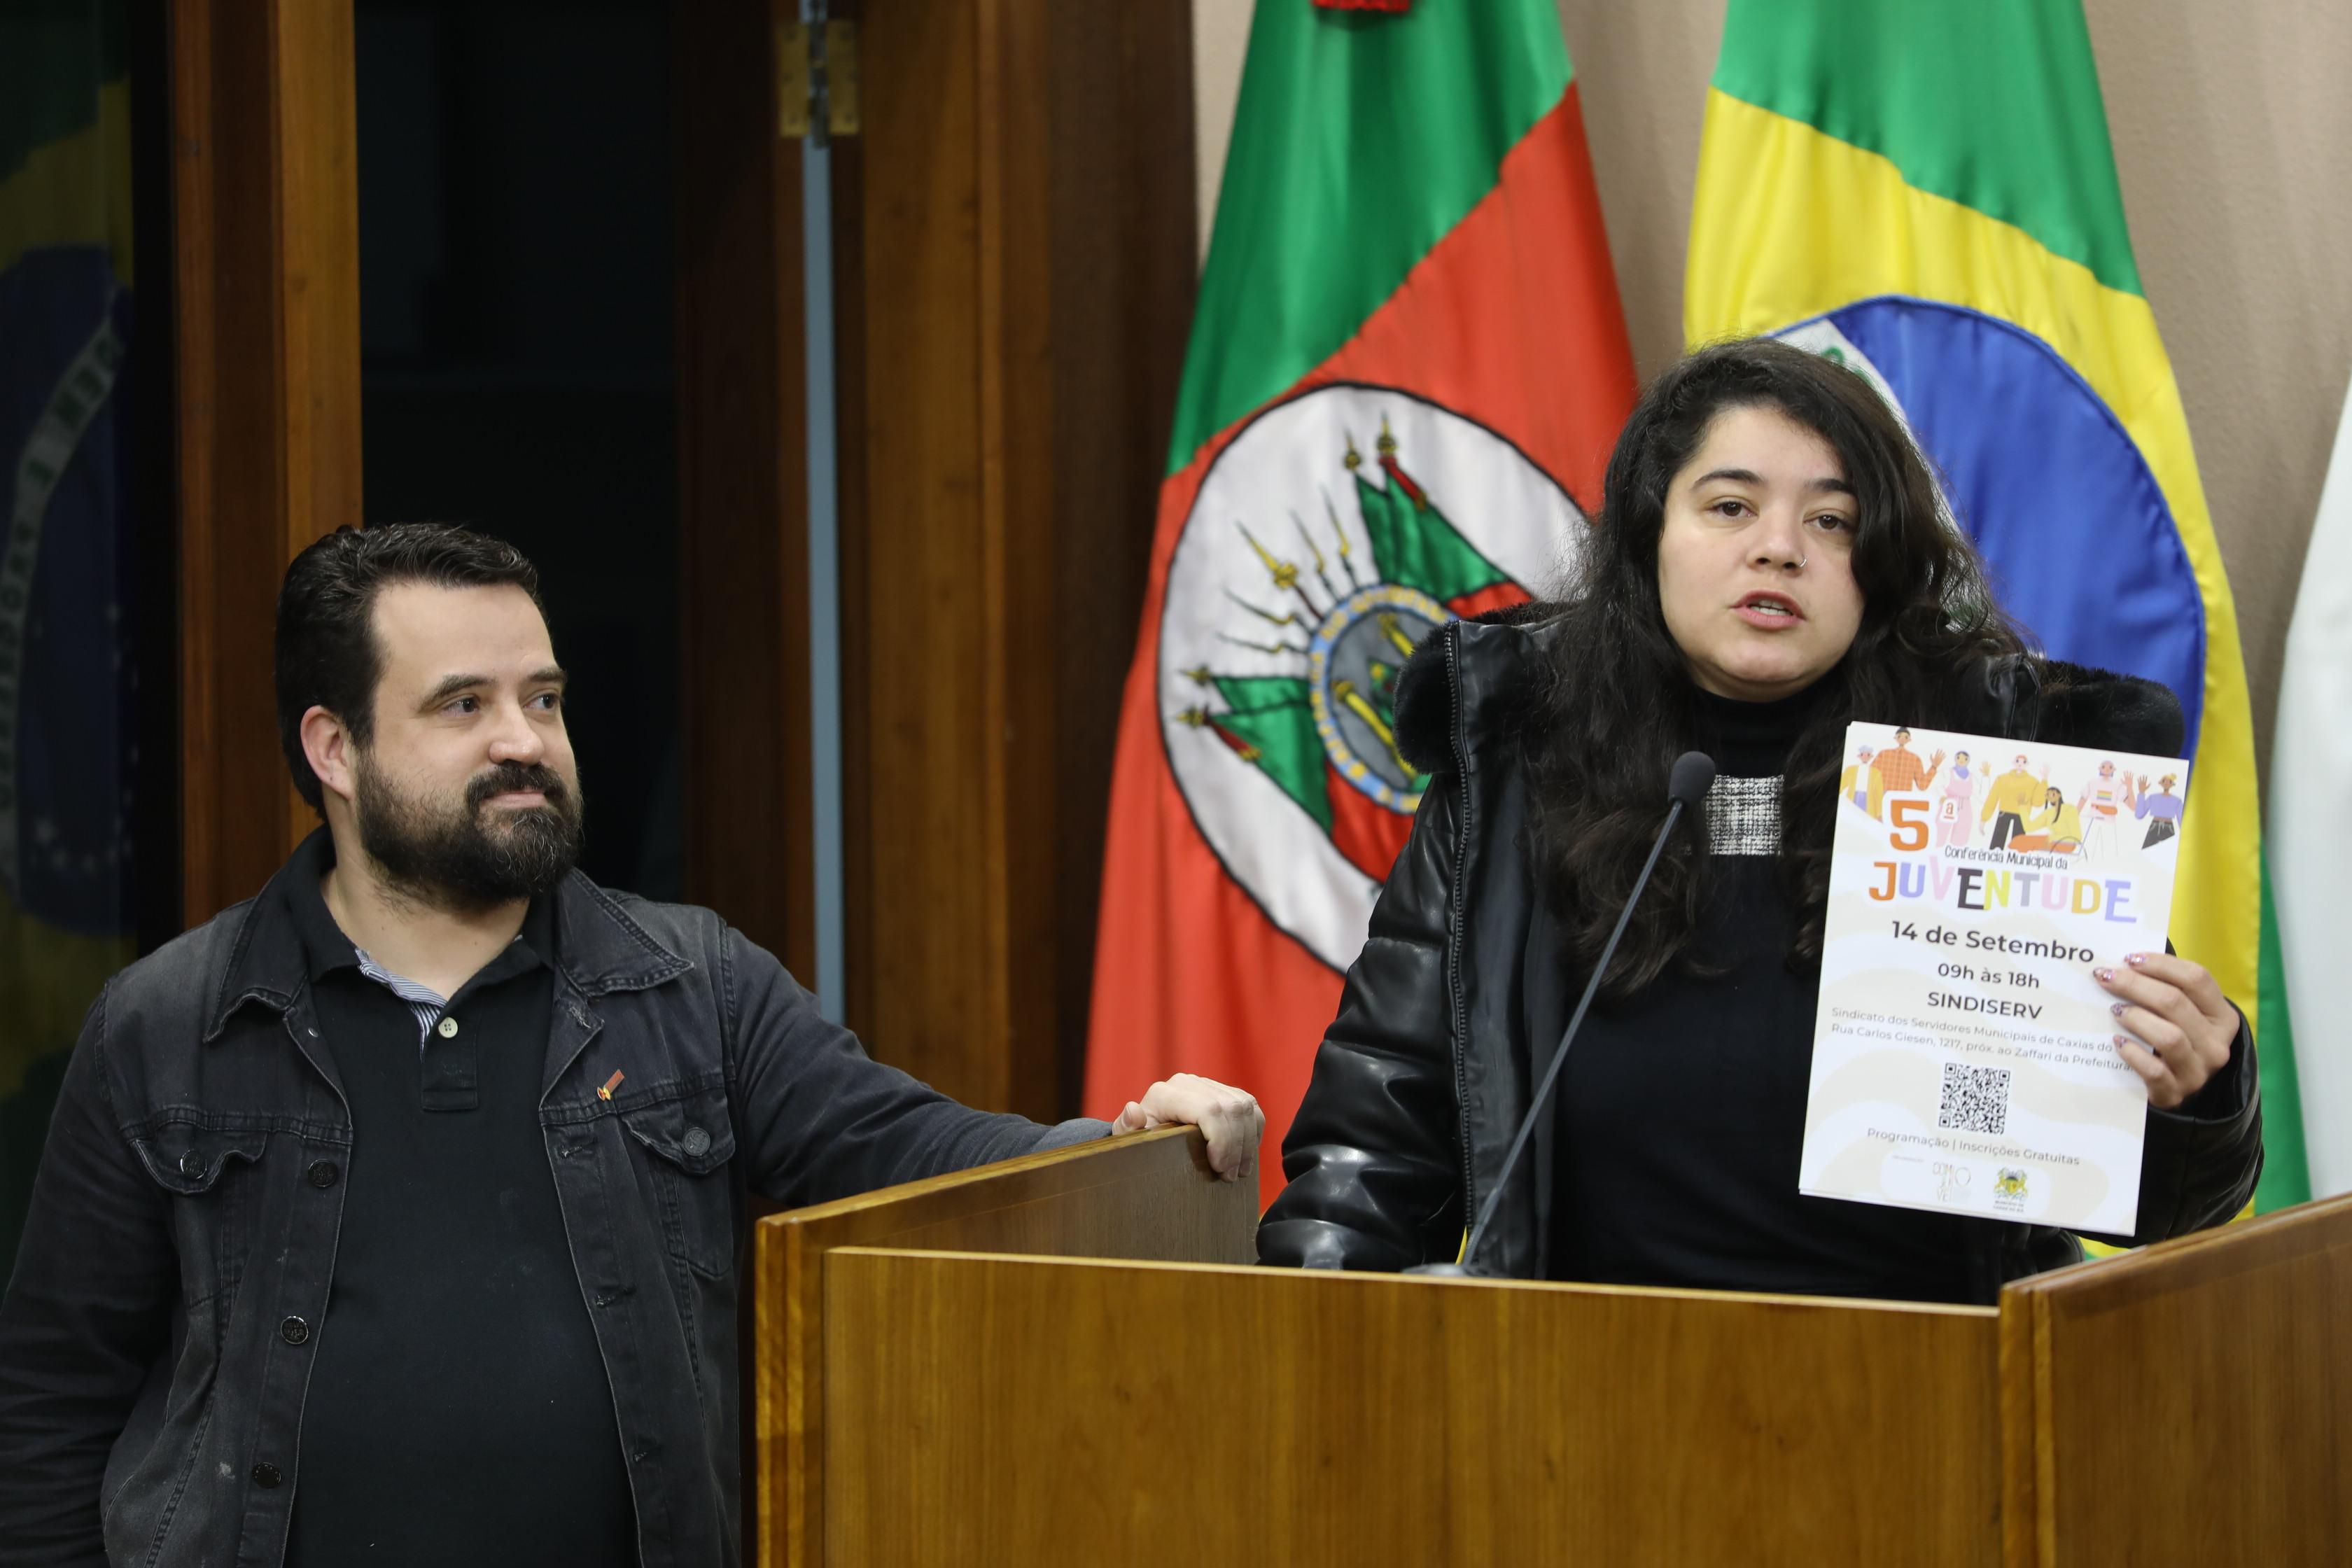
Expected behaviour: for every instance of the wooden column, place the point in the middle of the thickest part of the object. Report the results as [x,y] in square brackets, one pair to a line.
[1024,241]
[265,213]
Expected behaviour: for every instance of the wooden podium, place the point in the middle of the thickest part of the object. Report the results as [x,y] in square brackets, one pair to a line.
[1069,1358]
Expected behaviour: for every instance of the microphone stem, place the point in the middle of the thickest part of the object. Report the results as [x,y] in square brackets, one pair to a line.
[1559,1057]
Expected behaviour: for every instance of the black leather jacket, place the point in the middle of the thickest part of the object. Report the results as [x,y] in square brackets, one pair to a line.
[1425,1073]
[149,1411]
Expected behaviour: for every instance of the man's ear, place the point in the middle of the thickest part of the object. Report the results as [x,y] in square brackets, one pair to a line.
[328,745]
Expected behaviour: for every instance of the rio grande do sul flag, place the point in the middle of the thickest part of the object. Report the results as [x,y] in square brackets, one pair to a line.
[1925,190]
[1407,365]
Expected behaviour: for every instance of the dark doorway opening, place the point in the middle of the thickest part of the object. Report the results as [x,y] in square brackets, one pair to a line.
[517,328]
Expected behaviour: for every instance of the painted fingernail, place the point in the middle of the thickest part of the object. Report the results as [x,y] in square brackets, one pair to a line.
[2118,1009]
[2123,1039]
[2135,959]
[2103,974]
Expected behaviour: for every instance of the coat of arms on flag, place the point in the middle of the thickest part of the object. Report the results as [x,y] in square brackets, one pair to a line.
[1335,532]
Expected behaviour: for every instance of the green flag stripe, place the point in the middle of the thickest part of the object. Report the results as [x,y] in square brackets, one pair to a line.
[1417,547]
[1251,693]
[1289,750]
[1360,140]
[1993,104]
[2286,1169]
[54,55]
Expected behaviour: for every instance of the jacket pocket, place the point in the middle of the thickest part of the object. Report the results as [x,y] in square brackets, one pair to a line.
[189,1160]
[690,1139]
[212,1171]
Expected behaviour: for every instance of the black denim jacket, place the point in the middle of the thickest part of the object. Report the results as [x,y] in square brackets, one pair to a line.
[150,1403]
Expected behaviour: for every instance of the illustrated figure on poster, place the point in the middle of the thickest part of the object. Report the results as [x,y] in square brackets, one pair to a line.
[2011,797]
[2057,827]
[1859,783]
[2100,804]
[1901,769]
[2161,811]
[1952,810]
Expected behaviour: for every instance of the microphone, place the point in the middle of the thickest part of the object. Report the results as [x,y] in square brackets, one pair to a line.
[1686,785]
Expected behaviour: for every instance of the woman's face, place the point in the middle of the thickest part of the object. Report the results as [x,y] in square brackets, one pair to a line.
[1754,568]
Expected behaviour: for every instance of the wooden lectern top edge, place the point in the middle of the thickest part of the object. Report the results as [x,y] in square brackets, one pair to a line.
[2207,1255]
[1076,1155]
[1364,1279]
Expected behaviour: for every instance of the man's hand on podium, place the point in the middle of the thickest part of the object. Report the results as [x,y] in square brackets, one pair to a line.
[1228,1117]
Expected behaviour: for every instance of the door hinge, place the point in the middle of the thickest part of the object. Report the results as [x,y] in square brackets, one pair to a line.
[817,80]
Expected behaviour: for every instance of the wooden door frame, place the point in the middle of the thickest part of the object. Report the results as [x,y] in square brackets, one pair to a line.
[266,354]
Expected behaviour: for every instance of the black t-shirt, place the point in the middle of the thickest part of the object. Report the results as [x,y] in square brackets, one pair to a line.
[458,1409]
[1682,1111]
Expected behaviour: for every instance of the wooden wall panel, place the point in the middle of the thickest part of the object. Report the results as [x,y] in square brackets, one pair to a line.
[1013,277]
[1122,271]
[924,625]
[265,307]
[1025,244]
[743,482]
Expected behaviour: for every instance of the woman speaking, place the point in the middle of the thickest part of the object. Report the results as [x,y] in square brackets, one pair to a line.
[1770,564]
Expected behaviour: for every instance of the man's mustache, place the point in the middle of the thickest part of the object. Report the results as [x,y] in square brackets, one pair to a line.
[509,777]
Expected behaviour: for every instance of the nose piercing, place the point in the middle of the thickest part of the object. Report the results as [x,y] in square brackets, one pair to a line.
[1800,562]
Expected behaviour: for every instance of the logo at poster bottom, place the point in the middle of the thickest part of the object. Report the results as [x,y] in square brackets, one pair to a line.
[1329,539]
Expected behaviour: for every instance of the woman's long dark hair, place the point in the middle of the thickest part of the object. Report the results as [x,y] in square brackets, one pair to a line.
[1617,704]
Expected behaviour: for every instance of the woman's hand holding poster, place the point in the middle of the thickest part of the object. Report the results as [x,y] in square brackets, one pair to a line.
[1964,1056]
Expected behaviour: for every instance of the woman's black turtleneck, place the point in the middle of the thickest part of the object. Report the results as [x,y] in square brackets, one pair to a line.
[1681,1113]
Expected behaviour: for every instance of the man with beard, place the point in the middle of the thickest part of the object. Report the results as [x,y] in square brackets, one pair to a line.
[392,1216]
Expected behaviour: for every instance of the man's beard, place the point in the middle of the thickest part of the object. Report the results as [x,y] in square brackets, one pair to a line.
[457,860]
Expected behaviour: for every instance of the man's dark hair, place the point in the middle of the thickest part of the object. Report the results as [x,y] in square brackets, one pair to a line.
[327,656]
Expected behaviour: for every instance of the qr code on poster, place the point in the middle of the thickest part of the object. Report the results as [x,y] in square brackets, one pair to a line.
[1976,1100]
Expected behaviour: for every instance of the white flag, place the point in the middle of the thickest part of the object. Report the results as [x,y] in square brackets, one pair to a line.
[2309,840]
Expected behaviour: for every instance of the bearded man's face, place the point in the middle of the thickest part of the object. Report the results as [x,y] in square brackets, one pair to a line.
[465,793]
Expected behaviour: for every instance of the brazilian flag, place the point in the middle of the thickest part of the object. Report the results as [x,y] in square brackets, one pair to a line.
[65,561]
[1925,192]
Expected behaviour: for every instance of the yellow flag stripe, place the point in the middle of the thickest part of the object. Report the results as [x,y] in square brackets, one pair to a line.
[1789,223]
[50,976]
[75,190]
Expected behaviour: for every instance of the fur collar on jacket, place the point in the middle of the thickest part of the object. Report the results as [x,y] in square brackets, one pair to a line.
[2044,699]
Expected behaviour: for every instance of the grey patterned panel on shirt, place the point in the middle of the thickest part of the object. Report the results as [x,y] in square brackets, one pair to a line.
[1743,816]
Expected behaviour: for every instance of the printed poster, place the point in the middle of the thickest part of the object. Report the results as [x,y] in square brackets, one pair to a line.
[1964,1057]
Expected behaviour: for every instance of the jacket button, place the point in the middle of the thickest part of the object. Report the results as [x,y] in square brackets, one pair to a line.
[192,1165]
[294,1331]
[265,1475]
[322,1172]
[448,1029]
[696,1141]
